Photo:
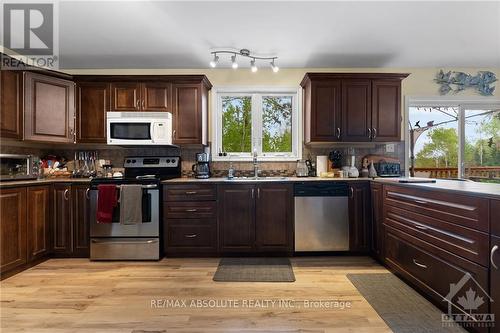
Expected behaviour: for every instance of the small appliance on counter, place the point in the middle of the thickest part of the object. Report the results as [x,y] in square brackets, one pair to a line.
[19,167]
[201,168]
[302,169]
[388,169]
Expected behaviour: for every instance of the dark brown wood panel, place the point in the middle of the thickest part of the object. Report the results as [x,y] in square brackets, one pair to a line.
[386,110]
[125,96]
[49,109]
[274,217]
[92,105]
[156,96]
[356,110]
[189,192]
[377,220]
[325,115]
[495,221]
[190,209]
[468,211]
[236,218]
[495,282]
[187,113]
[38,222]
[359,217]
[81,221]
[11,104]
[62,219]
[12,228]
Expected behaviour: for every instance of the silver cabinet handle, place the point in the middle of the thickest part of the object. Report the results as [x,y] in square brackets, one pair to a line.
[419,264]
[191,235]
[66,194]
[191,210]
[150,241]
[191,192]
[258,192]
[492,254]
[351,192]
[138,104]
[174,132]
[369,133]
[253,193]
[87,193]
[143,104]
[421,227]
[338,132]
[422,202]
[374,133]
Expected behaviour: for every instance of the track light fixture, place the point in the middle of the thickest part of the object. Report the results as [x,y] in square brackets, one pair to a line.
[243,53]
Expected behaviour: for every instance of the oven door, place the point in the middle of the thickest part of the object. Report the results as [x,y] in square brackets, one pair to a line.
[150,217]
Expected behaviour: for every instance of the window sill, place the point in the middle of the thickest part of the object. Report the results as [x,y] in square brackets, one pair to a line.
[259,159]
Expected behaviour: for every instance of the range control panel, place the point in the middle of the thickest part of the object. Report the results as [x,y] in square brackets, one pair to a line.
[152,162]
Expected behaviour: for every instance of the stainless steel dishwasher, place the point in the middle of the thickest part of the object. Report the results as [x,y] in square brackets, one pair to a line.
[321,216]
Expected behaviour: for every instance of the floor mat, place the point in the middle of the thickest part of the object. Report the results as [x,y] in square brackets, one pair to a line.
[254,270]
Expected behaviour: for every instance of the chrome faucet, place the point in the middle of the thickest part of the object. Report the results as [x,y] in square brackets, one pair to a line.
[255,165]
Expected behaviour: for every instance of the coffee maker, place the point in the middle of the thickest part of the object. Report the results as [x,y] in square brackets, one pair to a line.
[202,167]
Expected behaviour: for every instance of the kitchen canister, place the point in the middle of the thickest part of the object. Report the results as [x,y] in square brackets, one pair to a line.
[321,164]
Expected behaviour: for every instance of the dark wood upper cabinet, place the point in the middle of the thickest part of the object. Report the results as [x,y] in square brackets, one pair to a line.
[125,96]
[81,221]
[49,109]
[11,104]
[356,110]
[92,105]
[274,217]
[39,223]
[187,128]
[495,282]
[156,96]
[12,228]
[236,218]
[352,107]
[386,110]
[359,217]
[62,219]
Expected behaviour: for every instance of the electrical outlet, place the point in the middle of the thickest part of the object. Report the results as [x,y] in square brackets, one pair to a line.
[389,148]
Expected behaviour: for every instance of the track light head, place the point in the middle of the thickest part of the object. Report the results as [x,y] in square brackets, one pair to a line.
[234,64]
[253,66]
[274,67]
[214,62]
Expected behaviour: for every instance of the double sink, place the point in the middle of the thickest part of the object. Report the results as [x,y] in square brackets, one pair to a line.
[253,179]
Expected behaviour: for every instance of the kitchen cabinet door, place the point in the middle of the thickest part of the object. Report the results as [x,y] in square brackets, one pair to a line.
[323,116]
[377,239]
[81,221]
[494,209]
[274,220]
[155,96]
[187,114]
[356,110]
[62,219]
[386,110]
[38,225]
[495,282]
[12,228]
[236,218]
[11,104]
[125,96]
[49,109]
[92,105]
[359,217]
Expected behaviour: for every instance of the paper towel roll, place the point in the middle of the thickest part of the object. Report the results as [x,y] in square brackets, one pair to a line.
[321,164]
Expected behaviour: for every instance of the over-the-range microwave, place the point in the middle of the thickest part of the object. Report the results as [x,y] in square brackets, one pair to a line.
[139,128]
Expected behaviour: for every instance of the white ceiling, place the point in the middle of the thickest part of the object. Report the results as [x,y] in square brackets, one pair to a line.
[168,34]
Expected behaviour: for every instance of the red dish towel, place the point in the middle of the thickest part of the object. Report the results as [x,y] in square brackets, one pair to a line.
[106,202]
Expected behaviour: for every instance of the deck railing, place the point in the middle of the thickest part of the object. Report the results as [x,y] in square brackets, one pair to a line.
[475,173]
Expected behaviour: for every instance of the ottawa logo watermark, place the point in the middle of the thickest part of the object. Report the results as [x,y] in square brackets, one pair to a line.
[29,35]
[467,301]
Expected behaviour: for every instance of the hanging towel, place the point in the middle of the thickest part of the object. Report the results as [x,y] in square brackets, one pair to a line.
[106,202]
[131,204]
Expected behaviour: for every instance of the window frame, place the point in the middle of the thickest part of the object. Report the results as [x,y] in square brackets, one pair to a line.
[462,104]
[256,94]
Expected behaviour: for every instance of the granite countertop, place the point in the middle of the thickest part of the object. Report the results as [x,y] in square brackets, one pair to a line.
[244,180]
[32,182]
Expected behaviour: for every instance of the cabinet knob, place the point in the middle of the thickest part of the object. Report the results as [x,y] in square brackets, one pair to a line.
[492,254]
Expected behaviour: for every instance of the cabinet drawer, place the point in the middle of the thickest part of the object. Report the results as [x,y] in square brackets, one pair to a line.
[188,210]
[190,238]
[469,211]
[190,192]
[459,240]
[433,270]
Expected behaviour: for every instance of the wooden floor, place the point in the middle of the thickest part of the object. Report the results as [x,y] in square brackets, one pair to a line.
[75,295]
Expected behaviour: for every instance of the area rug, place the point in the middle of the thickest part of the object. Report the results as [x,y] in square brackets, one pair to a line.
[254,270]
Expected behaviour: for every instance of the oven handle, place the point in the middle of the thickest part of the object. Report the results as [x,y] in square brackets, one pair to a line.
[150,241]
[147,187]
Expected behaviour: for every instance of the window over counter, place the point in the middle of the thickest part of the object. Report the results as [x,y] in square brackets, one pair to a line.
[265,121]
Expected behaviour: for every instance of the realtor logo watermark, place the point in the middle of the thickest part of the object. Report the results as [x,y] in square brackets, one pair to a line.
[465,299]
[29,34]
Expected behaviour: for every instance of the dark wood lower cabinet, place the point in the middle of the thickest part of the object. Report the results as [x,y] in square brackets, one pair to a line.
[495,281]
[377,230]
[62,219]
[359,217]
[38,222]
[81,221]
[12,228]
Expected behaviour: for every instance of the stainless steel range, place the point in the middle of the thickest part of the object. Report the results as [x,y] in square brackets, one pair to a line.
[141,239]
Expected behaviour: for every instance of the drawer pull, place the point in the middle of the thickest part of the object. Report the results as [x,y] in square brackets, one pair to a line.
[420,227]
[419,264]
[192,210]
[492,254]
[191,235]
[191,192]
[422,202]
